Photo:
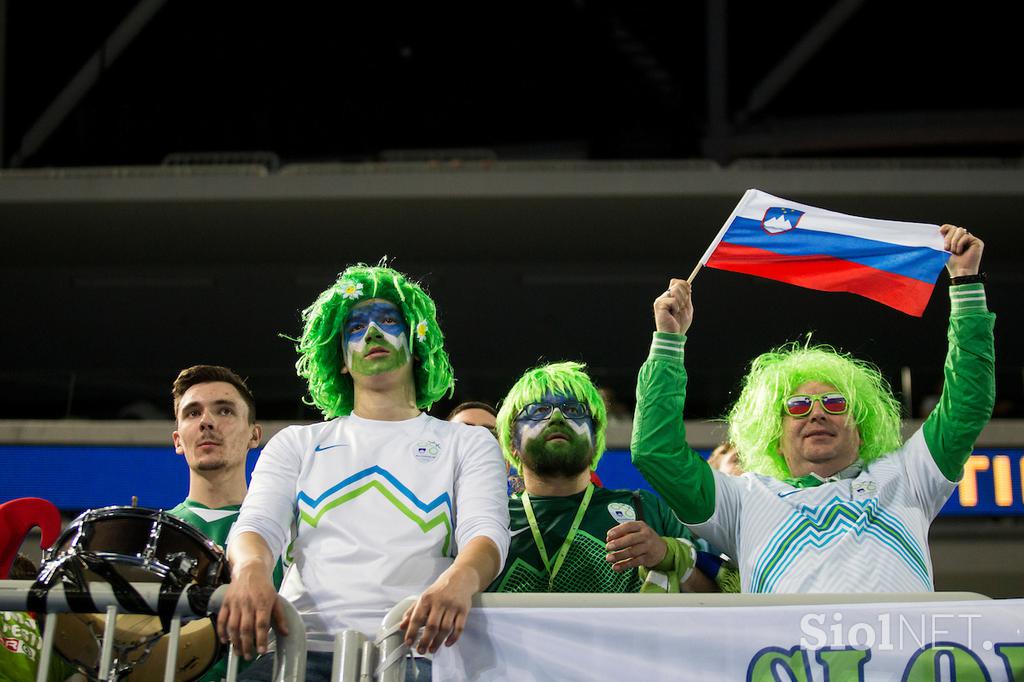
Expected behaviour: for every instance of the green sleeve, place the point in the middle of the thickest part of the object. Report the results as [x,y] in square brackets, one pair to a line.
[659,447]
[968,394]
[661,519]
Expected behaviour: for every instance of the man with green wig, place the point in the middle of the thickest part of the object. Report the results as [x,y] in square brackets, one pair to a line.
[569,535]
[832,500]
[379,502]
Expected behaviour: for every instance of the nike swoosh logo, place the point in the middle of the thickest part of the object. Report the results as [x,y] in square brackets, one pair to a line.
[517,532]
[321,449]
[791,492]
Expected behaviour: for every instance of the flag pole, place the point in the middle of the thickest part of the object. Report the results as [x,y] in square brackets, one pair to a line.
[747,196]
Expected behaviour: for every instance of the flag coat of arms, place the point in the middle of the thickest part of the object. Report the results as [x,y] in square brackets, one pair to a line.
[892,262]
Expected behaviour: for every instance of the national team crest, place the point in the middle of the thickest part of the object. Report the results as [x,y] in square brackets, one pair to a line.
[621,512]
[777,219]
[426,450]
[862,490]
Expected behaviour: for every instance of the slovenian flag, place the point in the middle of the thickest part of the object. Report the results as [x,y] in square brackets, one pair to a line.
[891,262]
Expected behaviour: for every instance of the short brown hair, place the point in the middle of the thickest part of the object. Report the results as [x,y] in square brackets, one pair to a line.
[472,405]
[204,374]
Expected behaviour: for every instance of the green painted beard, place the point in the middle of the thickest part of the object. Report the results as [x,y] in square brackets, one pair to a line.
[558,457]
[396,358]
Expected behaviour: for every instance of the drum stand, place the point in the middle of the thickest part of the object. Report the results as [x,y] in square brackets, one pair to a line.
[356,659]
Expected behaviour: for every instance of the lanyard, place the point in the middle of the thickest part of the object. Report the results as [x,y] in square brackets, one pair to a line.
[535,529]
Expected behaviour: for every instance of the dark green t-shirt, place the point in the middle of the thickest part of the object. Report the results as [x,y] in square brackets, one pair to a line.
[216,524]
[585,568]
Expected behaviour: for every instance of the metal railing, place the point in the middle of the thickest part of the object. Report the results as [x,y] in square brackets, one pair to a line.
[355,657]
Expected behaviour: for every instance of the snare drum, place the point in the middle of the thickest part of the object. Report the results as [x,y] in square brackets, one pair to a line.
[138,545]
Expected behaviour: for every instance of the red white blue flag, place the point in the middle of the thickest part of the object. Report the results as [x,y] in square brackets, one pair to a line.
[891,262]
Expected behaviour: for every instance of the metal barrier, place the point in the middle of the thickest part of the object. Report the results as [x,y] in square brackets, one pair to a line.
[356,659]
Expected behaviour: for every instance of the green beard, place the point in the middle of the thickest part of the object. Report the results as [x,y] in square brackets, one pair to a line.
[558,458]
[396,359]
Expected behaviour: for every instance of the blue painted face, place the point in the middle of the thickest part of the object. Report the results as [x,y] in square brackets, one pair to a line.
[375,338]
[384,314]
[537,416]
[555,435]
[572,409]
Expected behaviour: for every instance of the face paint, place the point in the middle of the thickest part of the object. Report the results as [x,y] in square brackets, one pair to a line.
[555,445]
[376,338]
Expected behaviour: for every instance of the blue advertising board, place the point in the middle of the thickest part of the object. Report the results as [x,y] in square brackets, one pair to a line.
[86,477]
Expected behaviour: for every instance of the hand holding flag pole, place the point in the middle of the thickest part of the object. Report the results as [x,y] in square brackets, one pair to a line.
[894,263]
[965,250]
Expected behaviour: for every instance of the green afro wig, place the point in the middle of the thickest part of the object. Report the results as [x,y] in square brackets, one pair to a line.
[565,378]
[321,356]
[755,421]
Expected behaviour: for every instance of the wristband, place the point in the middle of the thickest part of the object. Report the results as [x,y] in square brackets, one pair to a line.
[709,564]
[968,279]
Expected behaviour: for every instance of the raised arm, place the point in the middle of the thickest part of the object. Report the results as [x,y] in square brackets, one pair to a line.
[659,446]
[968,392]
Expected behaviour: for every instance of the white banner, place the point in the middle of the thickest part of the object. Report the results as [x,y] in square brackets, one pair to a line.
[966,640]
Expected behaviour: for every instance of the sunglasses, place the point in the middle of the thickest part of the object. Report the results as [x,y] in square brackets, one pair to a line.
[801,405]
[570,409]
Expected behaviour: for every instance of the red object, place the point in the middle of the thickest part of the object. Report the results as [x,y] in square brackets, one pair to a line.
[595,479]
[17,517]
[826,273]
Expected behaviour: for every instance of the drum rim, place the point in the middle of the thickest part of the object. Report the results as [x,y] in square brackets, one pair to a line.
[139,512]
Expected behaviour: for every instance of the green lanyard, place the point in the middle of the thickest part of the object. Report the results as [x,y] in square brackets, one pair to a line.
[535,529]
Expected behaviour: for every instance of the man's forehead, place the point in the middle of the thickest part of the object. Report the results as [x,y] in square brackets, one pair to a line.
[554,396]
[211,391]
[815,387]
[374,306]
[559,396]
[474,416]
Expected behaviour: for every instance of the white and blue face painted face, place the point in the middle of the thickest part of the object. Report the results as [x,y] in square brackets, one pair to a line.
[555,435]
[375,337]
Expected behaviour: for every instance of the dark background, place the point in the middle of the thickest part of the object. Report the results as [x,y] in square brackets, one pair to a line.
[105,297]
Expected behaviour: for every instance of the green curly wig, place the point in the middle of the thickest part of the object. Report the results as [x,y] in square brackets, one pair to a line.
[565,378]
[755,421]
[321,355]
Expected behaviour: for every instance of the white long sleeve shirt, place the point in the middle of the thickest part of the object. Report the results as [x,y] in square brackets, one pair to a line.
[374,512]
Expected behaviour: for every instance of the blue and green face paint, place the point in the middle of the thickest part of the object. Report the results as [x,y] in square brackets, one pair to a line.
[375,338]
[555,435]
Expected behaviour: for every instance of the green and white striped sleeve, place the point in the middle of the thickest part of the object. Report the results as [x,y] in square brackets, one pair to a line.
[968,393]
[965,299]
[667,345]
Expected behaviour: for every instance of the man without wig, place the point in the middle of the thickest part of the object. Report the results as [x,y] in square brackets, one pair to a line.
[833,500]
[215,428]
